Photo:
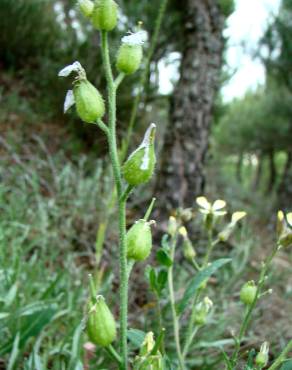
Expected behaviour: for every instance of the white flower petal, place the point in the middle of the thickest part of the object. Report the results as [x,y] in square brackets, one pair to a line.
[289,219]
[75,67]
[203,203]
[137,38]
[237,216]
[218,204]
[69,101]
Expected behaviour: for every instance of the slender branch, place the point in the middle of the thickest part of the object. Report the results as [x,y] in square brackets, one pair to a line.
[143,77]
[102,126]
[251,308]
[113,353]
[112,141]
[189,341]
[119,79]
[173,309]
[126,193]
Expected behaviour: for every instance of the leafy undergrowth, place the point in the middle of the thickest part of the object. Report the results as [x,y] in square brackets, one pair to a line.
[50,206]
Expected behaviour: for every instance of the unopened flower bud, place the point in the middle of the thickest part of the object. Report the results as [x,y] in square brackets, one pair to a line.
[188,249]
[86,7]
[105,15]
[130,53]
[145,361]
[201,311]
[101,325]
[262,357]
[172,226]
[139,240]
[89,103]
[248,293]
[140,165]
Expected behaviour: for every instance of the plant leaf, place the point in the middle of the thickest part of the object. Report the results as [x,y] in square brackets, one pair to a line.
[136,337]
[287,365]
[163,258]
[195,283]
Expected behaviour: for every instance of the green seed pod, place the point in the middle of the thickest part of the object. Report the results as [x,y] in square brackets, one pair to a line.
[130,53]
[105,15]
[248,293]
[262,357]
[89,102]
[101,325]
[86,7]
[139,240]
[201,311]
[140,165]
[129,58]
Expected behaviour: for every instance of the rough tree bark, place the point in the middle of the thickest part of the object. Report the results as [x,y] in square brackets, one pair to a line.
[181,175]
[285,187]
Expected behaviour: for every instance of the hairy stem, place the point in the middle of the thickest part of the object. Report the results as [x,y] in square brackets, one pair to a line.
[173,310]
[112,141]
[247,317]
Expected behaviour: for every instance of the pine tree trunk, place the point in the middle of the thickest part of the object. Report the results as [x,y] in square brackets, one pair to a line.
[181,172]
[272,172]
[285,187]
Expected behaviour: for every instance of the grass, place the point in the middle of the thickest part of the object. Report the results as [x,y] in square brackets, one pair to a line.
[50,206]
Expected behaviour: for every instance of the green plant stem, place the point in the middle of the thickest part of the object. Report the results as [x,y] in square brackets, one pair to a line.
[191,331]
[149,210]
[113,353]
[251,308]
[282,356]
[112,141]
[143,77]
[173,310]
[160,322]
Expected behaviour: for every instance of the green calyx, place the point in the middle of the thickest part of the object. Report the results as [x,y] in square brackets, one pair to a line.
[89,102]
[105,15]
[140,165]
[129,58]
[248,293]
[101,325]
[139,240]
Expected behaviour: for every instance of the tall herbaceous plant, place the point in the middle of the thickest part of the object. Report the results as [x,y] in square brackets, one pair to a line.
[137,169]
[189,314]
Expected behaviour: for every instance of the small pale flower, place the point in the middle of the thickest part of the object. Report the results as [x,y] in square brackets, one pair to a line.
[74,67]
[137,38]
[208,208]
[69,100]
[183,231]
[237,216]
[284,229]
[172,226]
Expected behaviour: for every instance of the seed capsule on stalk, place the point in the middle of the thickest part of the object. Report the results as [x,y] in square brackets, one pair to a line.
[140,165]
[101,325]
[89,103]
[105,15]
[262,357]
[130,52]
[248,293]
[139,240]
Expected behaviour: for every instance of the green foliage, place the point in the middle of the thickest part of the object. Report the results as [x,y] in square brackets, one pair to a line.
[227,7]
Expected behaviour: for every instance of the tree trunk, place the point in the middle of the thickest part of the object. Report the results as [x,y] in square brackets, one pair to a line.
[272,172]
[258,173]
[181,175]
[285,187]
[239,167]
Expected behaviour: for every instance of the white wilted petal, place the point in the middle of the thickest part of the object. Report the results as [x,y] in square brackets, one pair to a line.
[289,218]
[218,204]
[137,38]
[237,216]
[74,67]
[203,203]
[69,101]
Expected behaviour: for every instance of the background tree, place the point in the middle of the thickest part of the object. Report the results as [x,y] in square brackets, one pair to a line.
[186,140]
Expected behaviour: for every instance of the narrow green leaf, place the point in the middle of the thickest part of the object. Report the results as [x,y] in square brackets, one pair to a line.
[197,281]
[14,353]
[163,258]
